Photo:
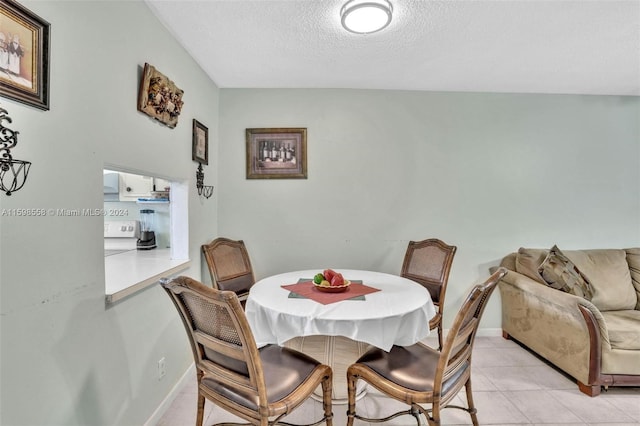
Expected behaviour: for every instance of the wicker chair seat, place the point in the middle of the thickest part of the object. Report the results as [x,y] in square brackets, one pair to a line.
[412,367]
[284,371]
[240,285]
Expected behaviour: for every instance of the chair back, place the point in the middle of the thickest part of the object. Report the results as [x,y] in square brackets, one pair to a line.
[455,358]
[222,343]
[229,265]
[428,262]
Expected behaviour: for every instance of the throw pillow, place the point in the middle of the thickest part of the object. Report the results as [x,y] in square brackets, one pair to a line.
[560,273]
[528,261]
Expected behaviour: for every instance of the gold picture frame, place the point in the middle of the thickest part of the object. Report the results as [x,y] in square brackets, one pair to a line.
[159,97]
[24,55]
[276,153]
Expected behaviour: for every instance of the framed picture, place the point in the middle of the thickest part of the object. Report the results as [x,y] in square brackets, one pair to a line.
[158,97]
[24,55]
[200,149]
[277,153]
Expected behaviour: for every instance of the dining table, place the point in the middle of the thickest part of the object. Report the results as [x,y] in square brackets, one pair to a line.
[376,309]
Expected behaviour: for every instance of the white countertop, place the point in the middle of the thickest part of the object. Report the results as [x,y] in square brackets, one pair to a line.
[132,271]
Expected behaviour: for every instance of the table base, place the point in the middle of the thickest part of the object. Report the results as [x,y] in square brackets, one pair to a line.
[339,353]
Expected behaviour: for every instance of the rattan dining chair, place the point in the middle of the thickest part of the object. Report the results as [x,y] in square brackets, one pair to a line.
[418,374]
[229,266]
[259,385]
[428,262]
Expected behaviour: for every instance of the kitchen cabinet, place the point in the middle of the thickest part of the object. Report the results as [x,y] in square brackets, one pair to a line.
[133,187]
[161,184]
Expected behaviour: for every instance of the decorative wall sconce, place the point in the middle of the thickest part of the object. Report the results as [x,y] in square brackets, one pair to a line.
[204,190]
[13,173]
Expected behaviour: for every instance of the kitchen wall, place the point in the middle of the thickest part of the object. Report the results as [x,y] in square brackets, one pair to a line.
[487,172]
[65,357]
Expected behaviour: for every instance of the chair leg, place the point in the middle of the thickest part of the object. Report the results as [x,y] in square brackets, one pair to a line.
[327,385]
[351,397]
[440,336]
[415,413]
[472,407]
[200,415]
[434,418]
[201,399]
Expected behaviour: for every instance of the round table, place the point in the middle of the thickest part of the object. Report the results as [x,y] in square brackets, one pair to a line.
[338,333]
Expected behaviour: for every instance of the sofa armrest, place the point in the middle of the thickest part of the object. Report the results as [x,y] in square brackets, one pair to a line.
[556,300]
[551,323]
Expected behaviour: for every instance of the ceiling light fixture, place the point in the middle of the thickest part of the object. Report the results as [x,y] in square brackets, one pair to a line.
[366,16]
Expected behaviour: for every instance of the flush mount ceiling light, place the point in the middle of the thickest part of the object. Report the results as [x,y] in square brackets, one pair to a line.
[366,16]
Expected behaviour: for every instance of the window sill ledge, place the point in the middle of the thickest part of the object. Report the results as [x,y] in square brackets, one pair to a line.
[133,271]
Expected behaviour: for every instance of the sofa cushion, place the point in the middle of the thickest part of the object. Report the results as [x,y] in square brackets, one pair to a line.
[509,262]
[633,259]
[609,274]
[623,328]
[560,273]
[527,262]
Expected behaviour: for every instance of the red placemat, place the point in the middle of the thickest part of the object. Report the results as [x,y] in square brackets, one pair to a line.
[308,289]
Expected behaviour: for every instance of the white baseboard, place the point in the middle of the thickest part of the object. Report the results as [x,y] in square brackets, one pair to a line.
[171,396]
[489,332]
[482,332]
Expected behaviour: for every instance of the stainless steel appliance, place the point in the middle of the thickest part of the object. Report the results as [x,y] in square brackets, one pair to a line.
[120,236]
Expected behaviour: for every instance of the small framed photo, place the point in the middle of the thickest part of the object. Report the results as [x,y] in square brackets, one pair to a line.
[277,153]
[200,149]
[24,55]
[159,97]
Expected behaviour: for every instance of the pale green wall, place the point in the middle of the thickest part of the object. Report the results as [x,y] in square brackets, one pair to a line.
[66,359]
[487,172]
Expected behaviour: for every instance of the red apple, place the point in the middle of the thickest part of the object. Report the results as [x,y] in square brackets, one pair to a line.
[337,280]
[328,274]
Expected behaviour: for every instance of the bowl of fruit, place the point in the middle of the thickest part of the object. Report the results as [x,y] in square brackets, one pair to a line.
[330,281]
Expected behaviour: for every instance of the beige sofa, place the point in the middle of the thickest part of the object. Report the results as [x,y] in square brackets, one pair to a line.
[598,341]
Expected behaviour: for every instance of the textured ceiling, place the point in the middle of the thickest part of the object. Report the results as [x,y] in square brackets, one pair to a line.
[515,46]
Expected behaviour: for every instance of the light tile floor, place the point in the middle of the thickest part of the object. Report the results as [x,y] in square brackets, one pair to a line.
[511,386]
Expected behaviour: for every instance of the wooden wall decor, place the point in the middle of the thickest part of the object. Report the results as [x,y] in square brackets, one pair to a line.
[159,97]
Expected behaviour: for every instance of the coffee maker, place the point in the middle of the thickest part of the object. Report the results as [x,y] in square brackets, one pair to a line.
[147,240]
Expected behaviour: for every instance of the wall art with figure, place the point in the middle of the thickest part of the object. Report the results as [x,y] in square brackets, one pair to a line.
[24,55]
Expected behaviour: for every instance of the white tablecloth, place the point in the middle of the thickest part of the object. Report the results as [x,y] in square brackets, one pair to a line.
[399,314]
